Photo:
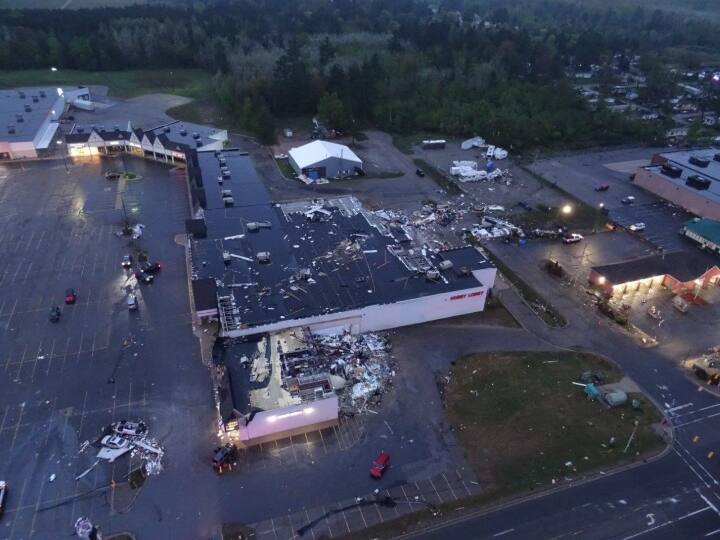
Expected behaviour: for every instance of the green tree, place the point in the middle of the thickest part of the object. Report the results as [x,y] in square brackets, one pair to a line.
[332,111]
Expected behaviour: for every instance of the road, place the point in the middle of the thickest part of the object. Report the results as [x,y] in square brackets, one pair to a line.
[675,496]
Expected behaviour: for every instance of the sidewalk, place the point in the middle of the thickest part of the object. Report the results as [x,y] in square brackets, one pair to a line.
[353,515]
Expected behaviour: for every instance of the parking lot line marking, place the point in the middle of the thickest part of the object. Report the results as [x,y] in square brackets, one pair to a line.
[17,513]
[436,491]
[17,428]
[322,439]
[50,357]
[363,517]
[273,528]
[327,521]
[64,355]
[22,359]
[307,516]
[712,533]
[35,361]
[452,491]
[347,525]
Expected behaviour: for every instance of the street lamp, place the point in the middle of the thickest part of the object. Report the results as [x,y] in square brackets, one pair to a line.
[567,209]
[62,153]
[53,68]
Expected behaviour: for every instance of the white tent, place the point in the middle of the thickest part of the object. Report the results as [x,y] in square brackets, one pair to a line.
[329,159]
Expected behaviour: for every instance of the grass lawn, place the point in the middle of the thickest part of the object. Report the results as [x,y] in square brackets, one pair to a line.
[520,420]
[286,169]
[192,83]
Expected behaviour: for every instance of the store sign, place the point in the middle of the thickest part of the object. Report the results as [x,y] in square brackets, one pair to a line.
[466,295]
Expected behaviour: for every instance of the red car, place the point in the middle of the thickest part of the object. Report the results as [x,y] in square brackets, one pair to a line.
[381,463]
[70,296]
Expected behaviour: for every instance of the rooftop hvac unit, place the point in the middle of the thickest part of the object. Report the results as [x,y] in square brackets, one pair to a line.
[432,275]
[445,265]
[21,94]
[195,135]
[166,129]
[220,179]
[229,201]
[716,157]
[226,257]
[222,160]
[42,94]
[35,99]
[28,108]
[183,132]
[672,171]
[116,129]
[257,225]
[699,162]
[226,193]
[698,182]
[19,118]
[198,143]
[11,130]
[80,130]
[263,256]
[225,174]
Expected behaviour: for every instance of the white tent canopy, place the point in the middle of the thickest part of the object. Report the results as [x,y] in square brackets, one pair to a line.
[309,154]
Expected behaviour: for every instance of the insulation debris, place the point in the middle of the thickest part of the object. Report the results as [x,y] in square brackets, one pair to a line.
[359,368]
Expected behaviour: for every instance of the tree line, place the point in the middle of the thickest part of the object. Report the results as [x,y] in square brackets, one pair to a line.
[459,67]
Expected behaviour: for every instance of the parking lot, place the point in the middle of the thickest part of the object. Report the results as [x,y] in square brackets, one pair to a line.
[64,382]
[580,174]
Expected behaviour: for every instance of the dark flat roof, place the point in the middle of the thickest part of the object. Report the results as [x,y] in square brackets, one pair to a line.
[682,265]
[11,105]
[345,260]
[204,294]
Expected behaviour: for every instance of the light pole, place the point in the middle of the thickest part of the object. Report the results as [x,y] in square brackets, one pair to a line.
[63,152]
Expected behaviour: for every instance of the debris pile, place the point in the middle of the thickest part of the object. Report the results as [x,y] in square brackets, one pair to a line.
[127,437]
[364,362]
[358,368]
[469,171]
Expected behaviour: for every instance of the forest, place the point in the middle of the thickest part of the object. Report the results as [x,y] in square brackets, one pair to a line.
[454,67]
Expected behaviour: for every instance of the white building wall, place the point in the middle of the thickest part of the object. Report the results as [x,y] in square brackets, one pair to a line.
[22,149]
[384,316]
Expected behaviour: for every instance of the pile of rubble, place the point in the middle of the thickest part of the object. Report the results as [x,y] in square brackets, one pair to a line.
[126,437]
[361,366]
[469,171]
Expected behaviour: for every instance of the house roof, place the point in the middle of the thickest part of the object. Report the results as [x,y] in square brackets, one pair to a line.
[707,228]
[316,151]
[682,265]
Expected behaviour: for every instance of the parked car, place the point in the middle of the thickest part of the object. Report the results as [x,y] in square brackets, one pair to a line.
[126,261]
[54,314]
[3,495]
[420,172]
[70,296]
[224,457]
[114,442]
[125,427]
[628,200]
[637,227]
[132,302]
[602,187]
[381,463]
[150,267]
[572,238]
[112,175]
[143,277]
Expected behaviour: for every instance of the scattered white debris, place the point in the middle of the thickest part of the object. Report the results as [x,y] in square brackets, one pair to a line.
[137,231]
[52,477]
